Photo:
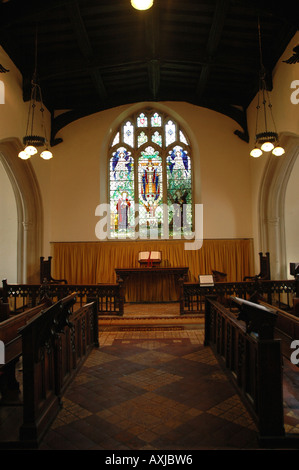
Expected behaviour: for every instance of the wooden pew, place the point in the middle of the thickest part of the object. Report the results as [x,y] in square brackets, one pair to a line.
[9,334]
[55,345]
[286,329]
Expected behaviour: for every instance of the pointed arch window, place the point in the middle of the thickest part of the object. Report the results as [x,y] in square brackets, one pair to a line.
[150,178]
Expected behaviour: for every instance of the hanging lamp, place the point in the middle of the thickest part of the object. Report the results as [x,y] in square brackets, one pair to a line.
[265,141]
[31,140]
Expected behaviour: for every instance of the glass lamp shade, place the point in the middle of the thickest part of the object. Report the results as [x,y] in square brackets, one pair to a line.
[142,4]
[267,146]
[256,152]
[23,155]
[278,151]
[46,154]
[30,149]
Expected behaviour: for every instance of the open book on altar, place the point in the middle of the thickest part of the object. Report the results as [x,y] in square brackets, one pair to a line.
[150,257]
[206,280]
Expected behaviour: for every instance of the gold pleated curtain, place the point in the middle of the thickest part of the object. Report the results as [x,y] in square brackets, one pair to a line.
[95,262]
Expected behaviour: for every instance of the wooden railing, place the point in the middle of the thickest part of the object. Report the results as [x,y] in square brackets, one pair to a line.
[108,296]
[110,299]
[255,365]
[54,345]
[279,292]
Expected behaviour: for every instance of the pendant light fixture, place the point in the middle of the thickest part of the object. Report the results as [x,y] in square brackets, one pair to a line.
[265,141]
[31,140]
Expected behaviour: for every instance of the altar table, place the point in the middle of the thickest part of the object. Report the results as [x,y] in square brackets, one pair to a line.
[156,278]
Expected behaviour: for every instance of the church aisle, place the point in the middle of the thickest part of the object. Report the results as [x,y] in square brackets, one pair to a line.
[158,389]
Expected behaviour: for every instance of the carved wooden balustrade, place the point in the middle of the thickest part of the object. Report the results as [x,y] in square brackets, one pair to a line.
[107,296]
[279,292]
[255,365]
[111,302]
[54,345]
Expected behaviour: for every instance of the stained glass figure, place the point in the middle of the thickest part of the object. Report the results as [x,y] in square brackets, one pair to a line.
[150,190]
[142,120]
[121,193]
[179,193]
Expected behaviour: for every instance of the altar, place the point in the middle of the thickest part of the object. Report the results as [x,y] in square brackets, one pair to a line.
[150,282]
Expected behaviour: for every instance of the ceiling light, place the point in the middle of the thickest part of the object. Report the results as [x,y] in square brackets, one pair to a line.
[278,151]
[31,141]
[142,4]
[256,152]
[46,154]
[265,141]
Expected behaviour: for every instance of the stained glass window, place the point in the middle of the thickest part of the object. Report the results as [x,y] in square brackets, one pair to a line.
[121,193]
[143,203]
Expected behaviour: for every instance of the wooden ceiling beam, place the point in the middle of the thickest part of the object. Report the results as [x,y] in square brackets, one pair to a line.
[213,42]
[152,33]
[85,48]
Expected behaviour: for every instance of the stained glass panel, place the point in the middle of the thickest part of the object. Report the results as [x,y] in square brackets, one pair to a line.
[142,120]
[150,192]
[157,138]
[183,138]
[141,139]
[156,120]
[116,139]
[122,209]
[129,134]
[170,134]
[179,194]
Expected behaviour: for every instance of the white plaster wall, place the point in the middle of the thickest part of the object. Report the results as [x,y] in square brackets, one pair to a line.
[292,217]
[8,229]
[226,179]
[286,116]
[220,165]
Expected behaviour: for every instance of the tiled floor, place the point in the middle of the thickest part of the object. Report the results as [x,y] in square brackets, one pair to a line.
[156,389]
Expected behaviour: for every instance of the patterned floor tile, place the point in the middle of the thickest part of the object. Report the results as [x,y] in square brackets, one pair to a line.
[155,389]
[150,379]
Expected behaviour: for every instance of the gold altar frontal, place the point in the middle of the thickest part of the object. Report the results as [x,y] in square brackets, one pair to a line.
[151,284]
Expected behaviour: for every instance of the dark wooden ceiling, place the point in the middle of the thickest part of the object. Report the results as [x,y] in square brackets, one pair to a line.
[96,54]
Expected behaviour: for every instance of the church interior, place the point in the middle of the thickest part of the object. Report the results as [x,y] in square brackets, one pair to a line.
[149,255]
